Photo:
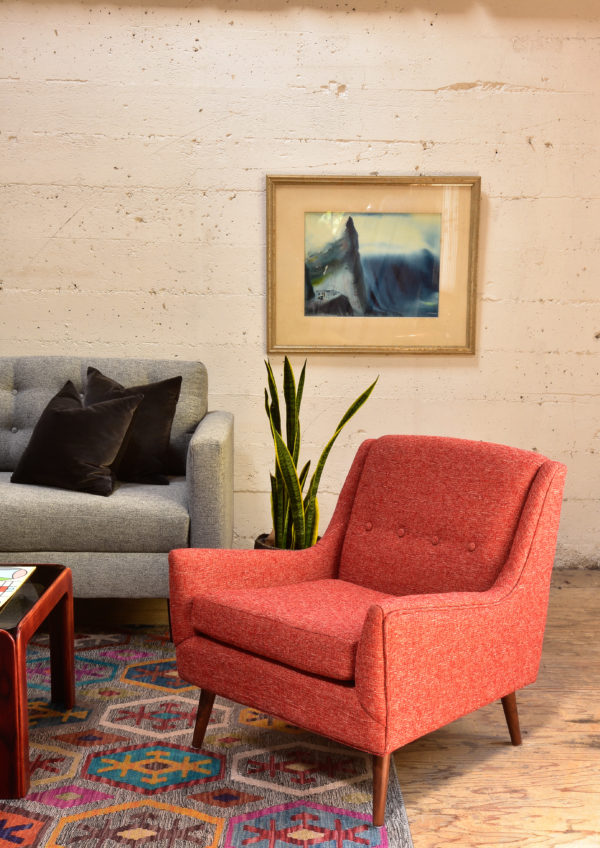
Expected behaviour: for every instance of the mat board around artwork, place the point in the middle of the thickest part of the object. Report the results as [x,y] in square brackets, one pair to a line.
[118,769]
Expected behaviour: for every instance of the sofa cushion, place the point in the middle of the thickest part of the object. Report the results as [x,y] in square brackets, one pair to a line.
[144,458]
[313,626]
[136,517]
[74,447]
[27,383]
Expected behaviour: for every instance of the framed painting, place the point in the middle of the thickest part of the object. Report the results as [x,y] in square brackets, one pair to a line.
[371,264]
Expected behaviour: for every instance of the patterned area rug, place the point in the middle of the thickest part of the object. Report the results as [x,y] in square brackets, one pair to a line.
[118,770]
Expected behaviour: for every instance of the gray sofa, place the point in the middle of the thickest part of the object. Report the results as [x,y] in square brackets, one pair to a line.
[116,546]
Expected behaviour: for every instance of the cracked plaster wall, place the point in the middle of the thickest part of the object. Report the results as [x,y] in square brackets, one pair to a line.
[134,146]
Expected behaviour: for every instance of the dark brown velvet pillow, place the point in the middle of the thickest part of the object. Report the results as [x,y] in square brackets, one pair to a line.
[72,446]
[145,453]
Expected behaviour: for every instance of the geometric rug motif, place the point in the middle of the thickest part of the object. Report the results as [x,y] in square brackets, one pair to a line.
[68,796]
[164,717]
[153,767]
[257,719]
[107,692]
[145,823]
[226,739]
[87,670]
[50,764]
[155,675]
[301,768]
[304,824]
[123,654]
[90,738]
[42,714]
[21,827]
[86,641]
[118,769]
[227,797]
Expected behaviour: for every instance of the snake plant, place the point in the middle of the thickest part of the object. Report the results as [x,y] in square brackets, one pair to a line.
[295,511]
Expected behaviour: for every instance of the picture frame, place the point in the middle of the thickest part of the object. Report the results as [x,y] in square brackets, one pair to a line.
[371,264]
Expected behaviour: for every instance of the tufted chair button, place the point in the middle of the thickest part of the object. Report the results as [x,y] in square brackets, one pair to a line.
[435,540]
[14,429]
[368,526]
[14,391]
[401,532]
[471,546]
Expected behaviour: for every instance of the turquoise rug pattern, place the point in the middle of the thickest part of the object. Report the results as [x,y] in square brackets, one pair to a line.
[118,769]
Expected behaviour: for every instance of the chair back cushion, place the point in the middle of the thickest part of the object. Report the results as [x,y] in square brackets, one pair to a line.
[435,514]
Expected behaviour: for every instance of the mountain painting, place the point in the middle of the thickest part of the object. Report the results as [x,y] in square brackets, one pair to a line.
[372,264]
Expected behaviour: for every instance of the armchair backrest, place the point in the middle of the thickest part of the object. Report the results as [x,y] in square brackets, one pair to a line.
[433,514]
[27,383]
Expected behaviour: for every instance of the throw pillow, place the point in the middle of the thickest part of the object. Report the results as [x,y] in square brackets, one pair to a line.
[72,446]
[145,454]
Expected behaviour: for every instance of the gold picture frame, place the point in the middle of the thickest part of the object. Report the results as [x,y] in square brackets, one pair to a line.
[371,264]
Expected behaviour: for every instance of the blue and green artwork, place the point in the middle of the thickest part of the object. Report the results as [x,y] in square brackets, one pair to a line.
[372,264]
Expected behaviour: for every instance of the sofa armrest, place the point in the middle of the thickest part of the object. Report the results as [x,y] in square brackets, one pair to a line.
[209,477]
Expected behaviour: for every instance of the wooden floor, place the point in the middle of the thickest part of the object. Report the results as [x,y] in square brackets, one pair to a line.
[466,785]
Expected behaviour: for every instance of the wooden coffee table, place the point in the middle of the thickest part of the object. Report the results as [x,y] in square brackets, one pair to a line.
[46,597]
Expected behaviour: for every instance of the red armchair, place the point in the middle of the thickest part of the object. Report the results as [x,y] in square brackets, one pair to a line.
[425,599]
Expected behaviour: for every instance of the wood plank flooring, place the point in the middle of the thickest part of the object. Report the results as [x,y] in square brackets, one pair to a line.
[466,785]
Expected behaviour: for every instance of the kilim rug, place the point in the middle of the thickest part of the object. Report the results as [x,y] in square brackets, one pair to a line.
[118,769]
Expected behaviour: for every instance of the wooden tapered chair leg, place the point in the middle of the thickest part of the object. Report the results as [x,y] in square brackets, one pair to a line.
[205,706]
[509,705]
[381,775]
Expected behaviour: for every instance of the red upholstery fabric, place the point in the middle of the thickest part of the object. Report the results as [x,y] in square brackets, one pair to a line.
[435,515]
[328,707]
[478,645]
[192,570]
[452,628]
[313,626]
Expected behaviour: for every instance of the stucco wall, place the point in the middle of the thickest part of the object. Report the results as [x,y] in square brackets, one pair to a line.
[135,140]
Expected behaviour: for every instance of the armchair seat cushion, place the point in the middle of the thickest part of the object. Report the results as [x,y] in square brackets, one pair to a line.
[312,626]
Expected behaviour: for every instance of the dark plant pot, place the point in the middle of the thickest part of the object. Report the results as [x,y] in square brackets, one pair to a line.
[261,544]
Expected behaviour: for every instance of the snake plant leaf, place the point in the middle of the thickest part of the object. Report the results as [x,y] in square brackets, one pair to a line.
[297,437]
[311,532]
[352,410]
[295,515]
[300,388]
[276,511]
[354,407]
[285,523]
[279,500]
[291,413]
[275,413]
[304,474]
[292,484]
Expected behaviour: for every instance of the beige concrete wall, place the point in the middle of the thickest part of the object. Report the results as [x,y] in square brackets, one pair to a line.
[135,140]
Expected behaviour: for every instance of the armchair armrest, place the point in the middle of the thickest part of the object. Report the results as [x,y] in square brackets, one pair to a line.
[209,476]
[192,571]
[424,660]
